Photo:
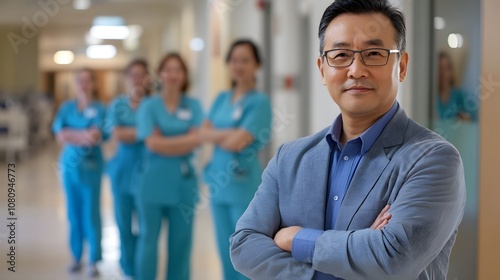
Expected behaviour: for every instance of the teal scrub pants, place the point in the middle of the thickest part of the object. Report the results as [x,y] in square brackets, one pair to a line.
[122,171]
[83,207]
[124,210]
[180,235]
[225,218]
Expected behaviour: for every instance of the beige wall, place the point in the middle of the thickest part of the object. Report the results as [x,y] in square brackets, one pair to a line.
[109,84]
[489,174]
[18,70]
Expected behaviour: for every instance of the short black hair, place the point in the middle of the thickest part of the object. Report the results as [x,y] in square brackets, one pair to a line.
[240,42]
[364,7]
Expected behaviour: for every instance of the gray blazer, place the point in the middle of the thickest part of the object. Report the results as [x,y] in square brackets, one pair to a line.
[409,167]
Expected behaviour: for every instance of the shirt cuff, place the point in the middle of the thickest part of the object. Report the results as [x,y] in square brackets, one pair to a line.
[303,244]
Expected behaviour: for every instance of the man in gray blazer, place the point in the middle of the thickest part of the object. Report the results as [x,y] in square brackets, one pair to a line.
[374,196]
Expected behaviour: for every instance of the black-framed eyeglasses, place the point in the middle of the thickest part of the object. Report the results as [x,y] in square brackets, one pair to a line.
[345,57]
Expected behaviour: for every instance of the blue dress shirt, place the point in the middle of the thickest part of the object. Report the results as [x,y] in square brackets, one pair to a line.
[344,161]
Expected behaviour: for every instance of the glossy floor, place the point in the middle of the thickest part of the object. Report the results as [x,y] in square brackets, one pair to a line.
[41,228]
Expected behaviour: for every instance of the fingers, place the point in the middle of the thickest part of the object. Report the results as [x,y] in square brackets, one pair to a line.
[207,124]
[384,222]
[386,208]
[382,219]
[284,237]
[380,222]
[92,136]
[156,132]
[97,137]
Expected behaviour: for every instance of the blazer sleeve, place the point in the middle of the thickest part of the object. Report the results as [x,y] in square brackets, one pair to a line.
[425,216]
[253,251]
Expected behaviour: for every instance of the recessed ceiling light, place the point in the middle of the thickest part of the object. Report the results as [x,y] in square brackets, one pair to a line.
[109,27]
[110,32]
[455,40]
[101,51]
[109,20]
[64,57]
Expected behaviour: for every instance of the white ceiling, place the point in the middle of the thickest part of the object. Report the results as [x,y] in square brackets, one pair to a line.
[66,27]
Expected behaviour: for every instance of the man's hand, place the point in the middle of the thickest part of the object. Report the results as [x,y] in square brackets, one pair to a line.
[284,237]
[382,218]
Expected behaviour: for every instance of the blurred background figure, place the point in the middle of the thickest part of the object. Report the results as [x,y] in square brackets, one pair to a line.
[14,128]
[123,168]
[239,126]
[78,126]
[168,123]
[450,104]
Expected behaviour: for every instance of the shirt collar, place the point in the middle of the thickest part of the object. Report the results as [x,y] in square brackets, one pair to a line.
[367,138]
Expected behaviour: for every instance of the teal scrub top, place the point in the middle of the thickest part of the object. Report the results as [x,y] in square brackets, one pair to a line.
[126,162]
[233,177]
[83,162]
[455,105]
[168,180]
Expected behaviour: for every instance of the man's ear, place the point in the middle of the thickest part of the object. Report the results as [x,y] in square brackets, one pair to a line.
[320,68]
[403,66]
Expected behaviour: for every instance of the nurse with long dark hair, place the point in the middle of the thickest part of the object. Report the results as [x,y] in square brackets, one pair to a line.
[238,125]
[168,123]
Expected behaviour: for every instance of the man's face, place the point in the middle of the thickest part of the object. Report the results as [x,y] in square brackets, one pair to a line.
[360,90]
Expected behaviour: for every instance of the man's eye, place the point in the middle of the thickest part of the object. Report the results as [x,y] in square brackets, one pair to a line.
[341,55]
[374,53]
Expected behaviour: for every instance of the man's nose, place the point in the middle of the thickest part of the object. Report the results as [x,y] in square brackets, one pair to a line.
[358,68]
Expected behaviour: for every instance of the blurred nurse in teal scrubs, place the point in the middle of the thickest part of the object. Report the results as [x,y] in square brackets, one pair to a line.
[124,167]
[239,125]
[79,126]
[451,101]
[168,122]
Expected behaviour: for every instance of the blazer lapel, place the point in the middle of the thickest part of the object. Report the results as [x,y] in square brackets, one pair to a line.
[370,169]
[367,174]
[319,157]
